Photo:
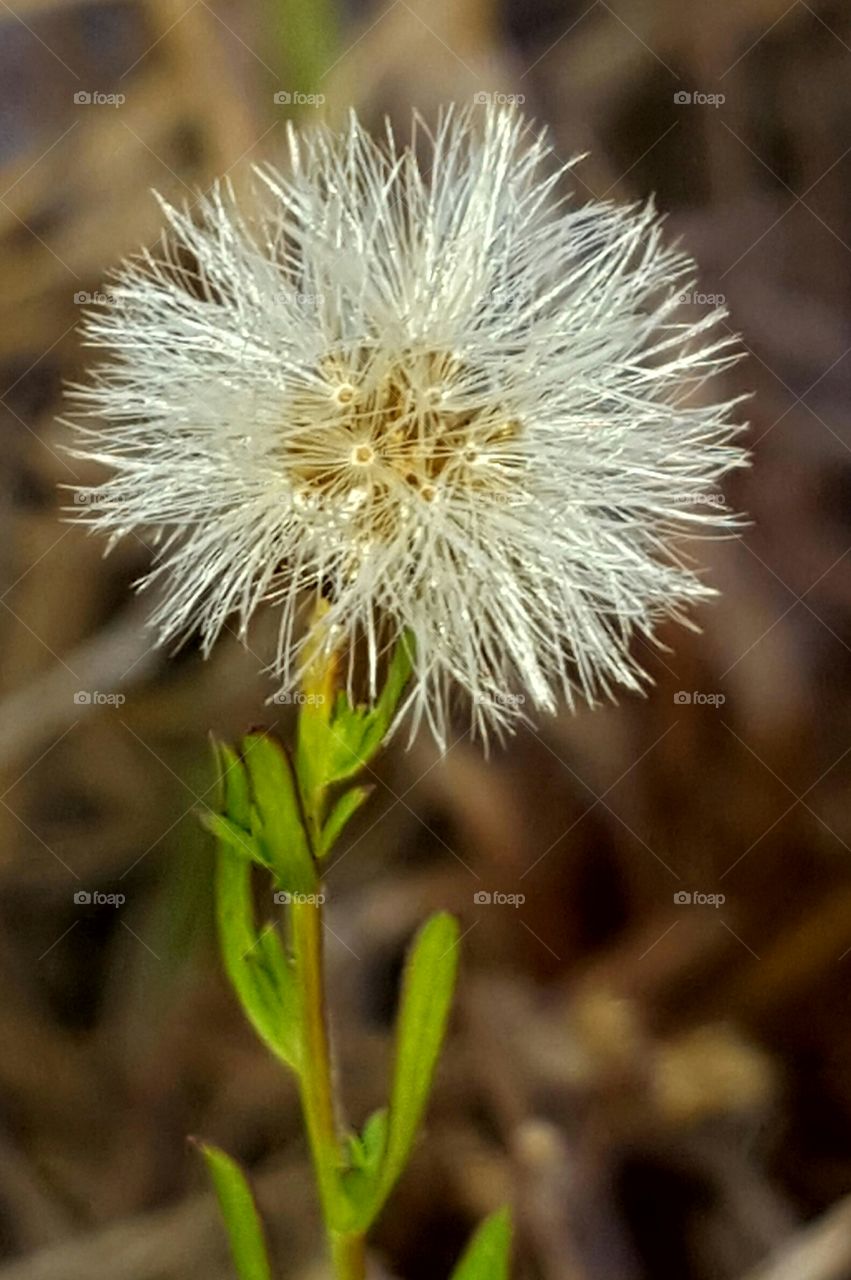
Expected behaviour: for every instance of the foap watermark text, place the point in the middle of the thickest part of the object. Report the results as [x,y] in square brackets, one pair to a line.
[294,98]
[483,99]
[685,98]
[698,699]
[95,898]
[685,898]
[95,698]
[87,98]
[486,898]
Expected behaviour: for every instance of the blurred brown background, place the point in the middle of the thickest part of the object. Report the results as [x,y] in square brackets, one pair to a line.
[661,1087]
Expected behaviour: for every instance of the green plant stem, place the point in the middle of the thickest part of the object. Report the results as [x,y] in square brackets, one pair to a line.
[317,1086]
[349,1253]
[315,1076]
[348,1249]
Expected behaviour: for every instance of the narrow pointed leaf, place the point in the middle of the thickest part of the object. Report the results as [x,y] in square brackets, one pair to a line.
[488,1254]
[427,987]
[234,795]
[345,808]
[255,962]
[241,1218]
[275,815]
[241,842]
[379,720]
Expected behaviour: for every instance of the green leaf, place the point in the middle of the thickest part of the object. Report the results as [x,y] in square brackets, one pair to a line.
[242,1221]
[336,740]
[489,1252]
[241,842]
[365,1152]
[371,1142]
[427,987]
[379,720]
[256,963]
[358,732]
[275,815]
[345,808]
[234,798]
[260,823]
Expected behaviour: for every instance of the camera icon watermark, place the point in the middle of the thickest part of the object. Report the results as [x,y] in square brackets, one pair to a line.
[698,699]
[95,698]
[683,898]
[87,898]
[293,98]
[285,899]
[683,98]
[84,98]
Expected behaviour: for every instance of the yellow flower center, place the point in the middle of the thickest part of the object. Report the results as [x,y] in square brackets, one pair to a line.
[392,433]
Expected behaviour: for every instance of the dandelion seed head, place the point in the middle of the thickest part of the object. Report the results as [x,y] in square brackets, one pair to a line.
[457,407]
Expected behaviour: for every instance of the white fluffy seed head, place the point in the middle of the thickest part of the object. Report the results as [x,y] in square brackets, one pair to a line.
[455,407]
